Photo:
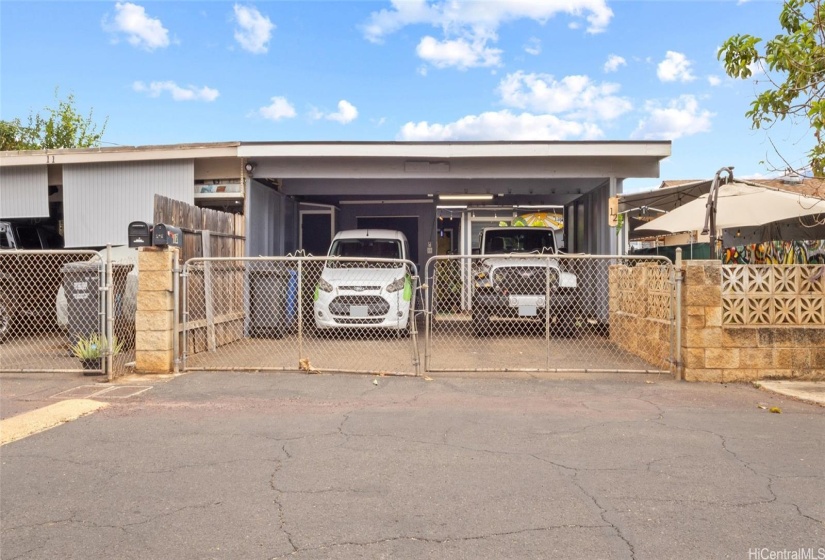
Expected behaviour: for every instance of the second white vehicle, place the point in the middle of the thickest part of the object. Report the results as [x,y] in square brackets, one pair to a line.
[374,293]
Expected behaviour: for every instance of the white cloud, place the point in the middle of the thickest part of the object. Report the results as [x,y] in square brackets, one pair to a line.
[254,30]
[714,80]
[278,109]
[475,24]
[141,30]
[190,93]
[501,125]
[346,112]
[675,68]
[533,46]
[460,53]
[681,117]
[576,96]
[486,15]
[614,62]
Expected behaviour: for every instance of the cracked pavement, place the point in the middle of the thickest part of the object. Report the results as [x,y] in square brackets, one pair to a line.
[241,465]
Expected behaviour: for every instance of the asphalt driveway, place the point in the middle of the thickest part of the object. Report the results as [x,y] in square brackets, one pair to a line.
[241,465]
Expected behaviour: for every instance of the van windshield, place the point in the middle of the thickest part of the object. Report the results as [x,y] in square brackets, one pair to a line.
[369,248]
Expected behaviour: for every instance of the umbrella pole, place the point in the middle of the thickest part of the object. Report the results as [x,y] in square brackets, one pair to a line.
[710,215]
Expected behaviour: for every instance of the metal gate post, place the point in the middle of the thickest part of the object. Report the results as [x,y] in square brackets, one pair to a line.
[677,273]
[110,319]
[547,313]
[414,327]
[428,312]
[176,315]
[185,277]
[300,309]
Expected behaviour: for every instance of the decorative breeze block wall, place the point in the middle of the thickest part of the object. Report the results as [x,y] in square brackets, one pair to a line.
[773,295]
[641,307]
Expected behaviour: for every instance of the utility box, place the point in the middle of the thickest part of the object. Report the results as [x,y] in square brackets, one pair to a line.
[167,236]
[81,282]
[140,234]
[273,301]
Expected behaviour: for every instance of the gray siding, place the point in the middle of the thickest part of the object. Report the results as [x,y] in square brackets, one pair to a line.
[263,230]
[24,192]
[99,200]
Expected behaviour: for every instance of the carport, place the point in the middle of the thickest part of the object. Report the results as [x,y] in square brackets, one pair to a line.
[314,188]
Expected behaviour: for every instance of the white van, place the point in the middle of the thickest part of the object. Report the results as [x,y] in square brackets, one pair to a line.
[373,293]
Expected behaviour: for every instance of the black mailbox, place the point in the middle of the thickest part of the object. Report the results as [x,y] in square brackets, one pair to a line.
[167,236]
[140,234]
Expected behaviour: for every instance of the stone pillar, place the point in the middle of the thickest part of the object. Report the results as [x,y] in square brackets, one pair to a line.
[154,320]
[703,356]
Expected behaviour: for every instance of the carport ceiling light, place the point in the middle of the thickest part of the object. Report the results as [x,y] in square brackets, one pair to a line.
[465,197]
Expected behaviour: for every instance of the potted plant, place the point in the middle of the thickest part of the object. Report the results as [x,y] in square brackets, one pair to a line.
[89,350]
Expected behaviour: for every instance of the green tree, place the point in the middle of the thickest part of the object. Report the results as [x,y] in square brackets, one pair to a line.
[794,66]
[61,126]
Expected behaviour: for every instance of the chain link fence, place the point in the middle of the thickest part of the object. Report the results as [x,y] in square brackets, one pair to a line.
[308,313]
[54,312]
[550,313]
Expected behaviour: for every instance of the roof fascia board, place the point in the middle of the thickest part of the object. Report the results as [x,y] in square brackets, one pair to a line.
[526,168]
[44,157]
[457,150]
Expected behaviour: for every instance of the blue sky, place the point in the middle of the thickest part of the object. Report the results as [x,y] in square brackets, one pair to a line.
[172,72]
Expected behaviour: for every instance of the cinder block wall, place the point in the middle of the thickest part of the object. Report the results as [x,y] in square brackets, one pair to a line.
[640,311]
[715,352]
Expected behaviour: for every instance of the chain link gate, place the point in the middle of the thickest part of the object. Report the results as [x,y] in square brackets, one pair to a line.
[551,313]
[300,313]
[60,309]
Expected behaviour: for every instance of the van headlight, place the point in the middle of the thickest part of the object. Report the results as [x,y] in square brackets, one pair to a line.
[324,285]
[396,285]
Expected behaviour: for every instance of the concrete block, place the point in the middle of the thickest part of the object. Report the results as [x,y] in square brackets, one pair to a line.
[713,316]
[154,280]
[706,296]
[740,374]
[154,320]
[161,361]
[153,340]
[713,274]
[722,358]
[818,358]
[155,301]
[695,321]
[802,358]
[755,357]
[694,274]
[152,259]
[703,374]
[783,358]
[709,337]
[740,338]
[694,358]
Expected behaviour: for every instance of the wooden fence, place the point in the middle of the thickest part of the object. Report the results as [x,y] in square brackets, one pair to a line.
[206,232]
[213,321]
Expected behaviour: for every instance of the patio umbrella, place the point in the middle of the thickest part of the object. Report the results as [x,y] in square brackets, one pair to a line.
[540,219]
[738,206]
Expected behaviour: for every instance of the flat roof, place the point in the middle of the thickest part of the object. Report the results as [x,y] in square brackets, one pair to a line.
[365,150]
